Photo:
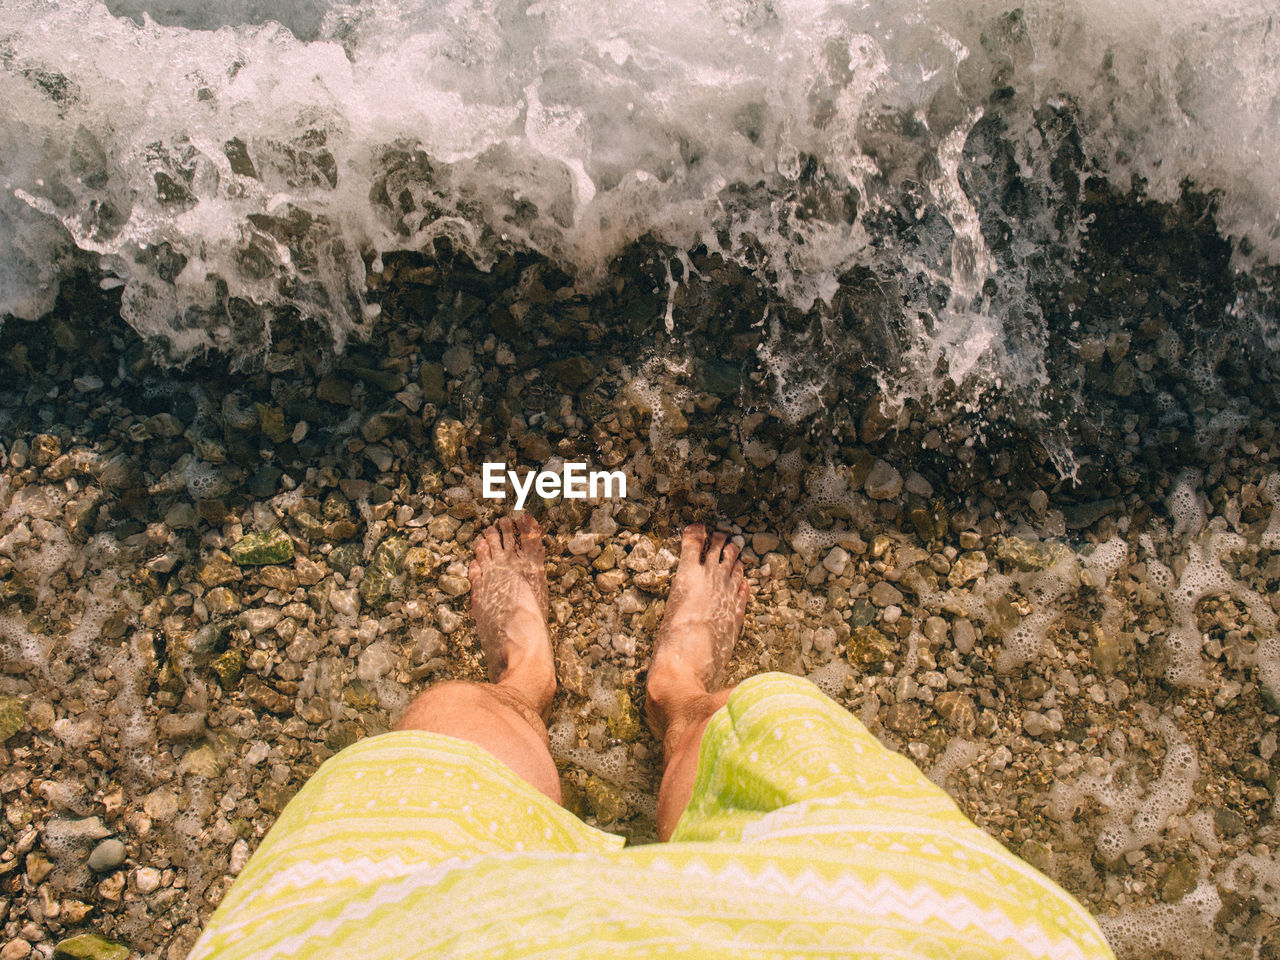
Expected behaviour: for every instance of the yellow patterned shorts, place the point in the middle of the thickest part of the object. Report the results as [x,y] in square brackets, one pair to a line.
[804,838]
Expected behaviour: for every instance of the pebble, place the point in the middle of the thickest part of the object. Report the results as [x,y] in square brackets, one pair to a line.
[1034,724]
[107,855]
[917,485]
[836,560]
[602,523]
[611,580]
[456,361]
[376,660]
[180,727]
[146,880]
[447,619]
[345,602]
[454,586]
[883,482]
[1001,758]
[763,543]
[259,620]
[380,456]
[88,828]
[935,630]
[631,602]
[239,856]
[38,867]
[885,594]
[963,635]
[1267,745]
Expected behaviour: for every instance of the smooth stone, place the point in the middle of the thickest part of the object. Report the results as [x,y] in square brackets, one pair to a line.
[90,946]
[107,855]
[147,880]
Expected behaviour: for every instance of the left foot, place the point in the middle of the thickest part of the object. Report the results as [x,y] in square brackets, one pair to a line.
[509,601]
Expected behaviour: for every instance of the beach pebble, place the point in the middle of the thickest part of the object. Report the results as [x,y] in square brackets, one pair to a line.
[836,560]
[107,855]
[376,660]
[457,361]
[885,594]
[883,482]
[147,879]
[179,727]
[239,856]
[963,635]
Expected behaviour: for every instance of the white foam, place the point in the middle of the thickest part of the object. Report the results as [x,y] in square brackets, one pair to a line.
[574,128]
[959,754]
[1184,928]
[1136,813]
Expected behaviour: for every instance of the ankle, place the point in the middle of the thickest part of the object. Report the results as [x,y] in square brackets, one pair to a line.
[686,722]
[532,680]
[669,692]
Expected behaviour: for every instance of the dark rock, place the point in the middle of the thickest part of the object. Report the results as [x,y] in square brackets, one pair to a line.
[573,373]
[431,379]
[264,482]
[1179,881]
[381,425]
[343,557]
[720,379]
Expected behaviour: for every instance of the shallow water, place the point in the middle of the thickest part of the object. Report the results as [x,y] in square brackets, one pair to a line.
[942,147]
[969,301]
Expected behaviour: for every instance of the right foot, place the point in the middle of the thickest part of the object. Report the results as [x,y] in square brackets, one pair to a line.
[509,601]
[703,619]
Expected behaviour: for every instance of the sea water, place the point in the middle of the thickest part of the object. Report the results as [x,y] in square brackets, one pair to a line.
[223,160]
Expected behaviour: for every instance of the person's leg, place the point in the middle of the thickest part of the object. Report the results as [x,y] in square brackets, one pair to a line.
[505,716]
[703,619]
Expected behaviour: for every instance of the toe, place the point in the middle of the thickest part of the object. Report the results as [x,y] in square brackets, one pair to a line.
[530,535]
[740,599]
[717,546]
[730,554]
[692,542]
[484,553]
[508,533]
[493,540]
[476,571]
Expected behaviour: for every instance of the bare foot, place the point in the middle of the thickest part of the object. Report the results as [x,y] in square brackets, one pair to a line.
[509,601]
[703,619]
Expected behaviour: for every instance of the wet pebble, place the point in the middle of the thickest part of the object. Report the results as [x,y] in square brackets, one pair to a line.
[883,482]
[885,594]
[146,880]
[107,855]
